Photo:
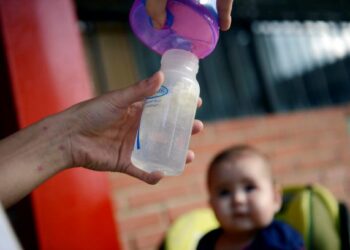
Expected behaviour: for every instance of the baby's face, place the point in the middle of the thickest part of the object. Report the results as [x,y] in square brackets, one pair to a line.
[242,194]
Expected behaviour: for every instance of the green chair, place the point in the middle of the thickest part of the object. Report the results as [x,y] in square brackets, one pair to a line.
[317,215]
[312,210]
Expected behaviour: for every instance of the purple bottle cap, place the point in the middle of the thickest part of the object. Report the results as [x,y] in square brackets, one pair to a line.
[189,26]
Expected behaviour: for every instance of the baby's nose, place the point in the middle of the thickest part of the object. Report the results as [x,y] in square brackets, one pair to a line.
[238,197]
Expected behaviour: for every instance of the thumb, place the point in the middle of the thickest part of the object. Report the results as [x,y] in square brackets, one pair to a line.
[141,90]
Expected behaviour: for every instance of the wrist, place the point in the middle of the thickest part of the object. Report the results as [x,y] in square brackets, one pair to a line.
[45,144]
[33,155]
[54,139]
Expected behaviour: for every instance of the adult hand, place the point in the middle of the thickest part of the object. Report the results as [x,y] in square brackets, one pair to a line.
[156,10]
[97,134]
[105,129]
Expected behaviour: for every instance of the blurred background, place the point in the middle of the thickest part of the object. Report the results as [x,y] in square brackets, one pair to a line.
[278,56]
[279,80]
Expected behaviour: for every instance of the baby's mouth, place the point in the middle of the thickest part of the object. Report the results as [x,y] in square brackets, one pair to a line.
[239,214]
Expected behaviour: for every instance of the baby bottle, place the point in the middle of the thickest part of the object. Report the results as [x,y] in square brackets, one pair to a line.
[191,32]
[166,123]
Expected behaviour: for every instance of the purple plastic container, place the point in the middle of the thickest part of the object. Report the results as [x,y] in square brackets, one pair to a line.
[190,26]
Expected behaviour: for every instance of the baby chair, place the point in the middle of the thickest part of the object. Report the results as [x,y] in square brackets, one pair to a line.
[312,210]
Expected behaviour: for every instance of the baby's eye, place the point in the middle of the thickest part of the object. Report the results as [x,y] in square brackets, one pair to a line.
[249,188]
[224,193]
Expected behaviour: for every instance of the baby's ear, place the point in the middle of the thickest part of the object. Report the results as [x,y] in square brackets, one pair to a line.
[277,197]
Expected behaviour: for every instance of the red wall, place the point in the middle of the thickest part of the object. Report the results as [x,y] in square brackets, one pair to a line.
[306,147]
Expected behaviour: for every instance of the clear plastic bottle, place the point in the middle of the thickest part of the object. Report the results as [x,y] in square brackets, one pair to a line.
[167,118]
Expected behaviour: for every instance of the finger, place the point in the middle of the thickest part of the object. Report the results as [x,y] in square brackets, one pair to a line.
[156,10]
[139,91]
[150,178]
[154,177]
[197,127]
[199,102]
[224,10]
[190,156]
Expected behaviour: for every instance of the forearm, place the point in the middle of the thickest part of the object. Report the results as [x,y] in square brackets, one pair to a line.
[31,156]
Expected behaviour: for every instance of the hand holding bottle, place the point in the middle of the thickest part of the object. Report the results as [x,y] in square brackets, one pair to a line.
[97,134]
[105,130]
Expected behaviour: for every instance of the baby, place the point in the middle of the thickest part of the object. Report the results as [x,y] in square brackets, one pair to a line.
[245,199]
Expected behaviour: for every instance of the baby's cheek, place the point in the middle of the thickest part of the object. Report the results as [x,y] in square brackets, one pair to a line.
[225,205]
[223,208]
[264,215]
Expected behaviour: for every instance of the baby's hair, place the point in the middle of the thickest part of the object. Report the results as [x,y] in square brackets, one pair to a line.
[233,154]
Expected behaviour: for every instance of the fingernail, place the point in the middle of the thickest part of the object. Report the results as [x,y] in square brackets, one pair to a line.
[157,25]
[160,22]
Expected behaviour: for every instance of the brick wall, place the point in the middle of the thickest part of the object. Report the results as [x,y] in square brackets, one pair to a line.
[305,147]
